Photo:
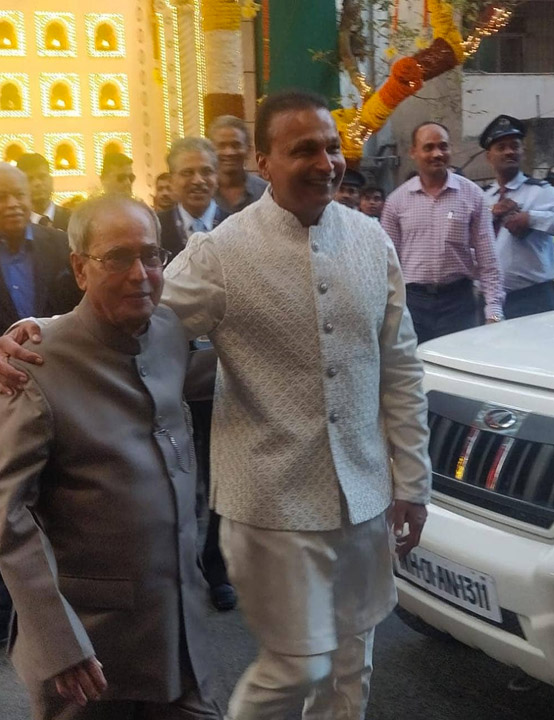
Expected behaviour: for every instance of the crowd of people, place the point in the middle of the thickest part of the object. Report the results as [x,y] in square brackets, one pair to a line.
[460,268]
[311,309]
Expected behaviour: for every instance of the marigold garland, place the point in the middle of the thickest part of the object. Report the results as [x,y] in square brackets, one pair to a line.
[436,59]
[250,9]
[408,74]
[441,17]
[351,144]
[374,114]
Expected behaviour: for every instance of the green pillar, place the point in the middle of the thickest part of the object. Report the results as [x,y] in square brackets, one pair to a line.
[295,28]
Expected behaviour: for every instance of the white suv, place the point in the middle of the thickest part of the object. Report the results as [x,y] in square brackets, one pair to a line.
[484,572]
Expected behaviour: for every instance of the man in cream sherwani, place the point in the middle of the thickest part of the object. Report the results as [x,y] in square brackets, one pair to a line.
[319,387]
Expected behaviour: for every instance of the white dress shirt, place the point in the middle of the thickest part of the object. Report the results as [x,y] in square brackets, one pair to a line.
[49,213]
[204,223]
[530,259]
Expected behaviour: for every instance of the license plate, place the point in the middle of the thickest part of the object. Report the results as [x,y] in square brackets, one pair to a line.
[469,589]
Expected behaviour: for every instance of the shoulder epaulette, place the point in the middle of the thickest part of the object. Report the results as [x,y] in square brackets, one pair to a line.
[535,181]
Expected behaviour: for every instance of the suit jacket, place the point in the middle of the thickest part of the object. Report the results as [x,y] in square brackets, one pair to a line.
[61,218]
[55,289]
[174,234]
[97,510]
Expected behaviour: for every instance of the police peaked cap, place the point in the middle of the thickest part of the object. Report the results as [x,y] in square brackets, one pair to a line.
[353,177]
[500,127]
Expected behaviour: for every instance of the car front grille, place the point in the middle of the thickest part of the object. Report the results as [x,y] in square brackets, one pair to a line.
[507,471]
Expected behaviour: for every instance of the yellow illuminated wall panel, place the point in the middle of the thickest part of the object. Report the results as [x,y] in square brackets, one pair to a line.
[103,142]
[14,95]
[105,34]
[109,95]
[12,33]
[55,34]
[65,152]
[60,95]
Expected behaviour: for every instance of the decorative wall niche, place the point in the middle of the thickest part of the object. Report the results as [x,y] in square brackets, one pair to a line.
[65,152]
[105,142]
[109,95]
[14,95]
[12,33]
[60,95]
[105,34]
[55,34]
[12,146]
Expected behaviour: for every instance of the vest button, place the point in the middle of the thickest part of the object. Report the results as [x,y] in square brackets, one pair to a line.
[328,327]
[331,371]
[323,287]
[315,247]
[333,417]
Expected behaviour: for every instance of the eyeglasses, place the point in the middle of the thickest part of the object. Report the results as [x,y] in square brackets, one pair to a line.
[120,259]
[122,177]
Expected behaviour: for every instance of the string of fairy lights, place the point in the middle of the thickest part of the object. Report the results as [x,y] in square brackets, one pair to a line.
[499,18]
[56,35]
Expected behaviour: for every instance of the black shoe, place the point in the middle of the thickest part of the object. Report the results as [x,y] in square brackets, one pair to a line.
[223,596]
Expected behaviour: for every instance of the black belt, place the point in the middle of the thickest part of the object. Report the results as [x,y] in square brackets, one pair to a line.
[440,288]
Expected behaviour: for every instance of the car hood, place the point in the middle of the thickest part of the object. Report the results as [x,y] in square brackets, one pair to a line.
[520,350]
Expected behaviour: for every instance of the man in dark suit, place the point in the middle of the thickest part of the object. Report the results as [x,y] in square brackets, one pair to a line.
[44,211]
[35,276]
[192,163]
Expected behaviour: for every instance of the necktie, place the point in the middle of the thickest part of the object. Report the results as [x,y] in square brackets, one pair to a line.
[45,221]
[497,222]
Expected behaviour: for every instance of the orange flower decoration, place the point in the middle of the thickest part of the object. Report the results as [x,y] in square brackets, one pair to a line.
[405,79]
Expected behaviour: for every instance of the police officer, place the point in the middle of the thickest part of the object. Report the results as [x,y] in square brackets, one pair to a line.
[523,216]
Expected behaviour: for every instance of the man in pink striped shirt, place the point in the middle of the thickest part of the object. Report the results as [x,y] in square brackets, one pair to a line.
[443,234]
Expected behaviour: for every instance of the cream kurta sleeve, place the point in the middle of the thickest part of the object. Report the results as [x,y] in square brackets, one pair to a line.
[195,287]
[403,402]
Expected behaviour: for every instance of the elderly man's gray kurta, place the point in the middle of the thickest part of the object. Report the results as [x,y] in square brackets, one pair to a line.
[319,384]
[97,497]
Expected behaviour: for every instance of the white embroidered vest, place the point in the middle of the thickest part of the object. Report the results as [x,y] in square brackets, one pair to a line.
[297,401]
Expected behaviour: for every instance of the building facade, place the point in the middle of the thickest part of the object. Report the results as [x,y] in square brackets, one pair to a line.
[78,80]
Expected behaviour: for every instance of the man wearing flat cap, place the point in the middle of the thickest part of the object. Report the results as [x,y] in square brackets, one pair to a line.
[523,216]
[349,190]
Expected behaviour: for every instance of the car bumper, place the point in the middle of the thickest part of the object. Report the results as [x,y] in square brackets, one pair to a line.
[523,572]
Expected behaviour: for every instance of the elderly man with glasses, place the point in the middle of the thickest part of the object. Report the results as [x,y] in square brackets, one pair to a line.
[97,498]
